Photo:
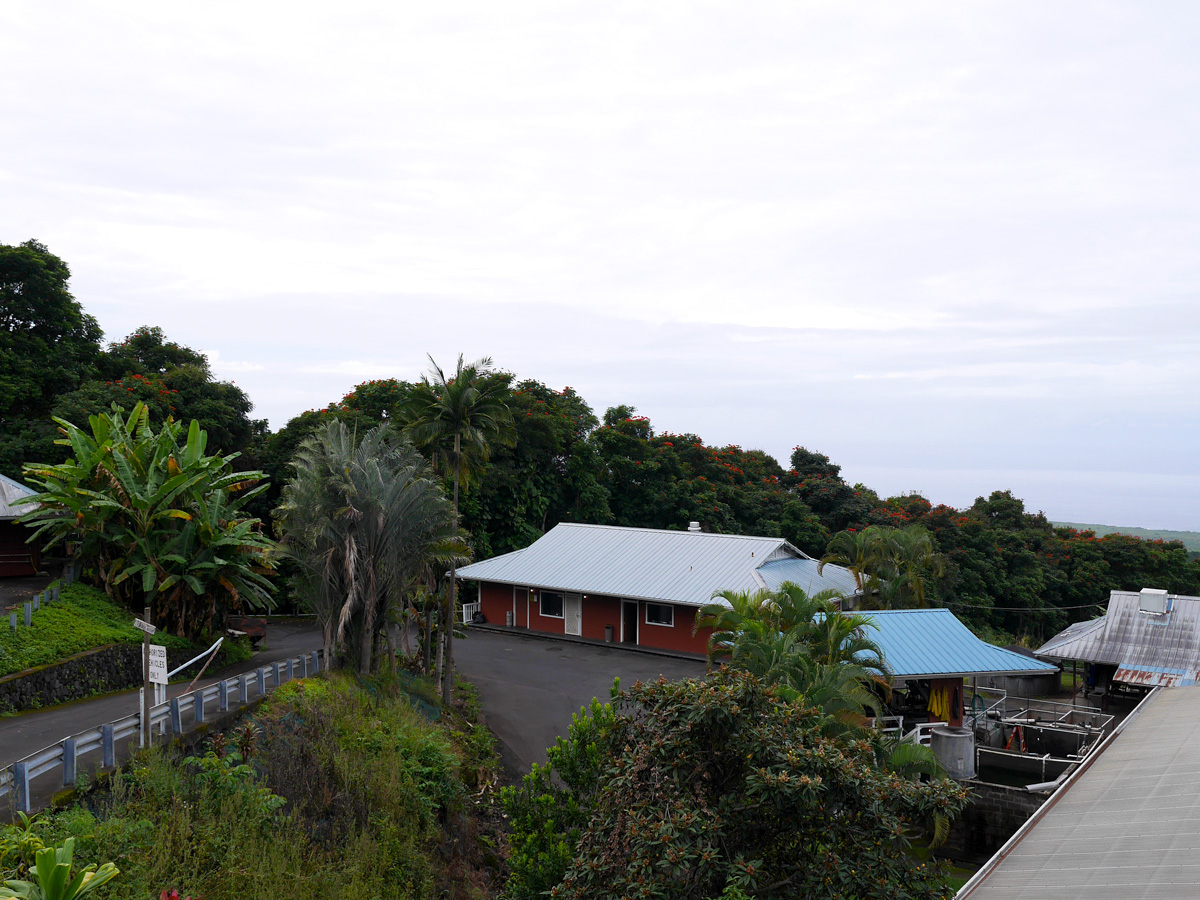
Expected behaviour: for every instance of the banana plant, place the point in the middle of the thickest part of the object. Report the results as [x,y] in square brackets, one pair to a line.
[52,877]
[155,515]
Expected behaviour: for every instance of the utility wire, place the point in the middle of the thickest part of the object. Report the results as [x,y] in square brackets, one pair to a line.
[1020,608]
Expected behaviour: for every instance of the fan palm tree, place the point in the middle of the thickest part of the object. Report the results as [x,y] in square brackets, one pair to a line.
[454,418]
[361,517]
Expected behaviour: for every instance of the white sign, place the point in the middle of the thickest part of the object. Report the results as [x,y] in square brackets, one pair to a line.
[144,626]
[158,664]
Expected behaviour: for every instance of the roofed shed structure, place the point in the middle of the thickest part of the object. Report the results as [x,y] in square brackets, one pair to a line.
[636,585]
[16,557]
[1146,638]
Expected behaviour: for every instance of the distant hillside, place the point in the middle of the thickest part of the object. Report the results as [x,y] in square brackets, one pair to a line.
[1191,539]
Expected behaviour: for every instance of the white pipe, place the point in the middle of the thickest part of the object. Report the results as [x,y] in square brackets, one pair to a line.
[198,658]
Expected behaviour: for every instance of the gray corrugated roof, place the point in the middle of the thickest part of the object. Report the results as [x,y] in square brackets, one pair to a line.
[1126,827]
[804,573]
[11,493]
[1147,649]
[643,563]
[933,643]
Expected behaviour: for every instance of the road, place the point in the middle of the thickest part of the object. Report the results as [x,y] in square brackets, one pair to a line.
[529,687]
[31,731]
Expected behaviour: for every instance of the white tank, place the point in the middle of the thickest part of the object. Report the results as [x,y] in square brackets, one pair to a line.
[955,748]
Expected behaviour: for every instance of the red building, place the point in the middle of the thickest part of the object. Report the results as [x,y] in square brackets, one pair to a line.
[634,585]
[16,557]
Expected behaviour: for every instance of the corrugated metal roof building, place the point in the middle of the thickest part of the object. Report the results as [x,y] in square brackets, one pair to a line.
[644,584]
[1123,827]
[934,644]
[1145,638]
[16,557]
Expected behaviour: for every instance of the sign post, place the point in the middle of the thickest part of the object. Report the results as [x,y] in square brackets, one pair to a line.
[148,629]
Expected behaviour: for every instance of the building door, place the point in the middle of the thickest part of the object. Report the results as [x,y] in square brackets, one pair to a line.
[573,614]
[629,622]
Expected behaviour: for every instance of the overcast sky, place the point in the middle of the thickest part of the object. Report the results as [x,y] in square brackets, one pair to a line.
[952,245]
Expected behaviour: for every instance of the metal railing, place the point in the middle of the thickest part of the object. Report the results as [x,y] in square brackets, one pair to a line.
[175,716]
[921,734]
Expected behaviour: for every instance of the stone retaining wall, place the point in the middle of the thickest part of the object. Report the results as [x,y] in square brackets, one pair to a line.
[113,668]
[992,816]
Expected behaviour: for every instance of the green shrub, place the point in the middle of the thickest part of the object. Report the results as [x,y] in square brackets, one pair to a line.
[335,790]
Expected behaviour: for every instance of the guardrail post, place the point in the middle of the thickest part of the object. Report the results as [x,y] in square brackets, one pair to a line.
[69,761]
[223,697]
[291,670]
[28,613]
[37,602]
[198,706]
[56,593]
[316,661]
[304,666]
[12,620]
[243,688]
[262,680]
[21,785]
[275,674]
[108,746]
[176,717]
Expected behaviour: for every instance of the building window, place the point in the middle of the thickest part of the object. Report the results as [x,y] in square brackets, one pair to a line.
[660,614]
[551,605]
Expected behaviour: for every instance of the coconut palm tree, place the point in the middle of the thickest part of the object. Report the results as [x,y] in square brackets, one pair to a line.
[361,517]
[454,419]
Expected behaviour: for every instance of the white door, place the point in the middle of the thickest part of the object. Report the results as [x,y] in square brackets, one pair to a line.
[573,614]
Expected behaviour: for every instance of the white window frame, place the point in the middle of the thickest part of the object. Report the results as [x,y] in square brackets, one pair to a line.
[562,599]
[669,606]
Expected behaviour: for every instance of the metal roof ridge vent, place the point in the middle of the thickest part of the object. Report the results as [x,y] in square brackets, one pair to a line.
[1152,601]
[694,527]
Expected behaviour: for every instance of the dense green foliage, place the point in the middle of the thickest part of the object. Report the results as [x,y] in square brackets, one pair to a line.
[334,790]
[364,521]
[48,345]
[158,522]
[1189,539]
[719,788]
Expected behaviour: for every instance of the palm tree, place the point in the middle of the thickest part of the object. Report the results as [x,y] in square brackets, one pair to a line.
[911,559]
[449,417]
[858,551]
[361,517]
[730,618]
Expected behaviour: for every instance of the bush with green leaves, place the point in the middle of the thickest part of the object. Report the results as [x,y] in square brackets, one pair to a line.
[155,516]
[700,789]
[52,877]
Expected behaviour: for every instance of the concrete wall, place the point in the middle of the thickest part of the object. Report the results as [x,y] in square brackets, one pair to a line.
[994,814]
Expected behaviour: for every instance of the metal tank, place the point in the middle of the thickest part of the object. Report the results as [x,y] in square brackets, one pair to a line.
[955,749]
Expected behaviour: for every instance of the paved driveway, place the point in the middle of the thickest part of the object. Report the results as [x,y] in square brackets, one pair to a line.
[530,687]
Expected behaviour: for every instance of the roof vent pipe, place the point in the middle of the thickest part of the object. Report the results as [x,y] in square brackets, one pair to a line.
[693,526]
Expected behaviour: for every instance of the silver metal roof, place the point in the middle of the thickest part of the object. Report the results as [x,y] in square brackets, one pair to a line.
[11,493]
[1146,648]
[648,564]
[1126,828]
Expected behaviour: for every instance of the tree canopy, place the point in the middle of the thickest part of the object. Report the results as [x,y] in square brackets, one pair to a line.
[157,519]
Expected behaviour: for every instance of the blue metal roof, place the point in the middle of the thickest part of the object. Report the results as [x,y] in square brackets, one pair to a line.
[933,643]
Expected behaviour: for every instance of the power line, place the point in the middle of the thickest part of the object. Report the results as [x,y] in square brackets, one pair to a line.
[1021,608]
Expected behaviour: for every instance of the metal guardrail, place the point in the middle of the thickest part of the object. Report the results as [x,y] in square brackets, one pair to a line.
[173,717]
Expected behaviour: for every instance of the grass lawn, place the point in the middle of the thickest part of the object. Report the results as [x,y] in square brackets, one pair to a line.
[82,618]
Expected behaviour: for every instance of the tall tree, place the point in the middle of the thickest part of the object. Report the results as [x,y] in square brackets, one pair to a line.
[452,417]
[362,517]
[48,345]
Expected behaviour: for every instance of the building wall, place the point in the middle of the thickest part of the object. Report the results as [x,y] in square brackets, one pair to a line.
[993,815]
[598,611]
[675,637]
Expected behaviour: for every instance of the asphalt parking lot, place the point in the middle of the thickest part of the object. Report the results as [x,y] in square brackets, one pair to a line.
[530,687]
